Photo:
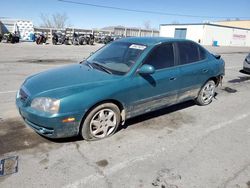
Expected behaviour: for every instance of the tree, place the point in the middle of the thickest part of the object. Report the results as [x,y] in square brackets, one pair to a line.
[57,20]
[147,25]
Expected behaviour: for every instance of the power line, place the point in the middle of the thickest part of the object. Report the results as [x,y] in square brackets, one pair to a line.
[146,11]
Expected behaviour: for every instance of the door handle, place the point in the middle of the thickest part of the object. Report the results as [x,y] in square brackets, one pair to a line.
[172,79]
[204,70]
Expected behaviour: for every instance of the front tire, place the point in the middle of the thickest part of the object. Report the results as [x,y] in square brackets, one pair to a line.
[101,122]
[206,93]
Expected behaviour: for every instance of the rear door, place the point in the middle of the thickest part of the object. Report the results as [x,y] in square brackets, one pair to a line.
[194,69]
[159,89]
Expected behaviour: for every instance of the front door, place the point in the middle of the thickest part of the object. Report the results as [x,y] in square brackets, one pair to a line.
[153,91]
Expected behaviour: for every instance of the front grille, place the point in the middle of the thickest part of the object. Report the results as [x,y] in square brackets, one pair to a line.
[23,95]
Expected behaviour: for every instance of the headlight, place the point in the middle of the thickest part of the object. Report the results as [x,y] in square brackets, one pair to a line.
[46,104]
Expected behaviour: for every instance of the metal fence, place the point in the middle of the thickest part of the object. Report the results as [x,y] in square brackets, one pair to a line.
[121,31]
[135,32]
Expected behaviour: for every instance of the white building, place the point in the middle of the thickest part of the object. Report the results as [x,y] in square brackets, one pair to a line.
[23,27]
[208,34]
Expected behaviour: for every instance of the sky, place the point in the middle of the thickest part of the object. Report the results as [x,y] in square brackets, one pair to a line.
[81,16]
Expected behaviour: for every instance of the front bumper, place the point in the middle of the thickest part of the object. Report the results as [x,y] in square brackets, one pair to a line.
[51,126]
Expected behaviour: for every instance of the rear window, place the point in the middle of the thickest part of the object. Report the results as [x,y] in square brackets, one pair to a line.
[190,52]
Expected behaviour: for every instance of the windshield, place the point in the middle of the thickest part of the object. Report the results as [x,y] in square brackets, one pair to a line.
[116,57]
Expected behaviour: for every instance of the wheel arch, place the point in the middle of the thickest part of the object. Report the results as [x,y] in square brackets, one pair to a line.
[216,79]
[116,102]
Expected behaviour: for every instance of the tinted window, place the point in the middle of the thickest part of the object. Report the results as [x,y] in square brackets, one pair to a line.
[161,57]
[202,53]
[188,52]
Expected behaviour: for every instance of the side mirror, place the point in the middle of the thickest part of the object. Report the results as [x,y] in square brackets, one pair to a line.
[146,69]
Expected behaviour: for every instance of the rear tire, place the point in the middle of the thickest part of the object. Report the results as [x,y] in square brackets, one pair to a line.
[206,93]
[101,122]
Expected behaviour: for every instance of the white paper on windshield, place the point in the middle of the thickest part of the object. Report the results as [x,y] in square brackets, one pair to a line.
[138,47]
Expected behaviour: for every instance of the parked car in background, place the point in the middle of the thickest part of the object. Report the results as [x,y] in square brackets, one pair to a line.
[246,64]
[124,79]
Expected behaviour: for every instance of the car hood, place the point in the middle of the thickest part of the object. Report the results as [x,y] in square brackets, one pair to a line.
[61,79]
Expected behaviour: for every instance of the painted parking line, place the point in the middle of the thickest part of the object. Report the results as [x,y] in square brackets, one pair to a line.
[51,65]
[130,162]
[6,92]
[234,67]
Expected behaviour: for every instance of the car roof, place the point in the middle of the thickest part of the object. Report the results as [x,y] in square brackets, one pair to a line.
[149,41]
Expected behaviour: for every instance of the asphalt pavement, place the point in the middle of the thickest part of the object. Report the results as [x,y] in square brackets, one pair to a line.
[183,146]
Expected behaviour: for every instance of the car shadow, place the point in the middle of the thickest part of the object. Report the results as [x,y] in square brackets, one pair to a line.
[244,72]
[157,113]
[240,79]
[64,140]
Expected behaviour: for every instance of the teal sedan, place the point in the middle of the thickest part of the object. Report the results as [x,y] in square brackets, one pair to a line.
[123,79]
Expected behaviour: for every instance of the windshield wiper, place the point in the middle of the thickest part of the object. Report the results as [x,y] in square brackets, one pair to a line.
[102,67]
[89,64]
[85,62]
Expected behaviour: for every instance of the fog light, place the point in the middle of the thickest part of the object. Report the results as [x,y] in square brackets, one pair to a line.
[70,119]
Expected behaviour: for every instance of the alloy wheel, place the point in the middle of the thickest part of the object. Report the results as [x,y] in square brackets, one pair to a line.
[103,123]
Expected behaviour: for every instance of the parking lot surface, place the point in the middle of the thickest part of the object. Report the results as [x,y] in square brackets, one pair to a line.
[181,146]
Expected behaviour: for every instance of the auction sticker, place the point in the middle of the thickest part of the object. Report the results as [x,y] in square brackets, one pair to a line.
[138,47]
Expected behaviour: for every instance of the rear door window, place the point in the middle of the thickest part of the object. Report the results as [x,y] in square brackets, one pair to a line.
[202,53]
[161,57]
[188,52]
